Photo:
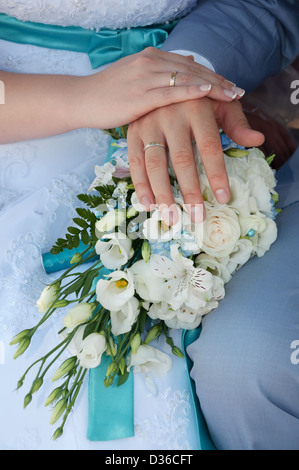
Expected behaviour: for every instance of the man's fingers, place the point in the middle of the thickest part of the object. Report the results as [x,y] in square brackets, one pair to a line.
[235,125]
[208,142]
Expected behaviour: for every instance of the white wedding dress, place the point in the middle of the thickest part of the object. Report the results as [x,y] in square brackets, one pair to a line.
[39,181]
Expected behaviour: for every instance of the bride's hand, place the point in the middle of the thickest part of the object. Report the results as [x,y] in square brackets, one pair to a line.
[176,126]
[137,84]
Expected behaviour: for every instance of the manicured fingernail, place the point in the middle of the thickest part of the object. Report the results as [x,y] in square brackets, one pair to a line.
[222,196]
[205,87]
[230,93]
[169,214]
[146,203]
[239,91]
[231,83]
[197,213]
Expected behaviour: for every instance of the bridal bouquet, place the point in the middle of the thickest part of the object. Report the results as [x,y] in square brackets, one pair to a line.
[142,278]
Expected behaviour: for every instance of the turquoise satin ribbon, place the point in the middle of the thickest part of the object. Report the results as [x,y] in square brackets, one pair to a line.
[103,46]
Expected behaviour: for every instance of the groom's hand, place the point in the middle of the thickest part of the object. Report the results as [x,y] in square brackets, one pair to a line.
[176,126]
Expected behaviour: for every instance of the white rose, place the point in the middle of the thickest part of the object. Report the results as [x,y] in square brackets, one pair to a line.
[123,319]
[110,220]
[48,296]
[115,292]
[221,231]
[92,348]
[149,359]
[78,314]
[114,249]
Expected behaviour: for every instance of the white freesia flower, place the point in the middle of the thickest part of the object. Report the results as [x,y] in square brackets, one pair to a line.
[155,229]
[115,292]
[104,175]
[147,285]
[148,359]
[109,221]
[115,249]
[183,282]
[91,350]
[78,314]
[48,296]
[123,319]
[221,231]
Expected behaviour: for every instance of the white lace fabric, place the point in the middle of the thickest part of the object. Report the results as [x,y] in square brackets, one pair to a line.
[39,181]
[96,14]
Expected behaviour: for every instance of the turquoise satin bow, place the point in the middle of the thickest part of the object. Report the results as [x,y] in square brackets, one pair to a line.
[103,46]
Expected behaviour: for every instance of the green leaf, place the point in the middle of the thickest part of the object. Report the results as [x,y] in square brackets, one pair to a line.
[122,378]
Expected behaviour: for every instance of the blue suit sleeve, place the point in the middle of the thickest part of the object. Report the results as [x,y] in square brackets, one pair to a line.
[245,40]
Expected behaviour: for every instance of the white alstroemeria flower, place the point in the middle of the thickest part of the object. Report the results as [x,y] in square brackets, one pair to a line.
[155,229]
[147,285]
[92,349]
[104,175]
[109,221]
[115,292]
[48,296]
[221,231]
[115,249]
[148,359]
[185,318]
[78,314]
[183,282]
[161,311]
[123,319]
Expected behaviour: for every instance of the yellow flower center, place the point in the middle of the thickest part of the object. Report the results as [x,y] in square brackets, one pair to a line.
[121,283]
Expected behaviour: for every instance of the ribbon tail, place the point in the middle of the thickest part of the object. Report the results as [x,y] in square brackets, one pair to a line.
[205,441]
[111,410]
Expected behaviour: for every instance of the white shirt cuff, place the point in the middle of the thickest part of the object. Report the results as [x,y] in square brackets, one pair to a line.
[197,57]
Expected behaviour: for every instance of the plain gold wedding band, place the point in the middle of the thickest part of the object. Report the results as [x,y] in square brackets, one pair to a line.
[172,79]
[154,144]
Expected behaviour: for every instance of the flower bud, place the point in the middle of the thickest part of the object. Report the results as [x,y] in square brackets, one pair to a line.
[153,333]
[65,368]
[37,385]
[60,304]
[27,399]
[108,381]
[177,352]
[135,343]
[48,296]
[236,152]
[111,369]
[54,395]
[16,339]
[146,251]
[76,258]
[122,365]
[78,314]
[57,434]
[58,410]
[23,345]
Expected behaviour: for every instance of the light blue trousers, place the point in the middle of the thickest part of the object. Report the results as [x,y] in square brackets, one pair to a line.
[246,360]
